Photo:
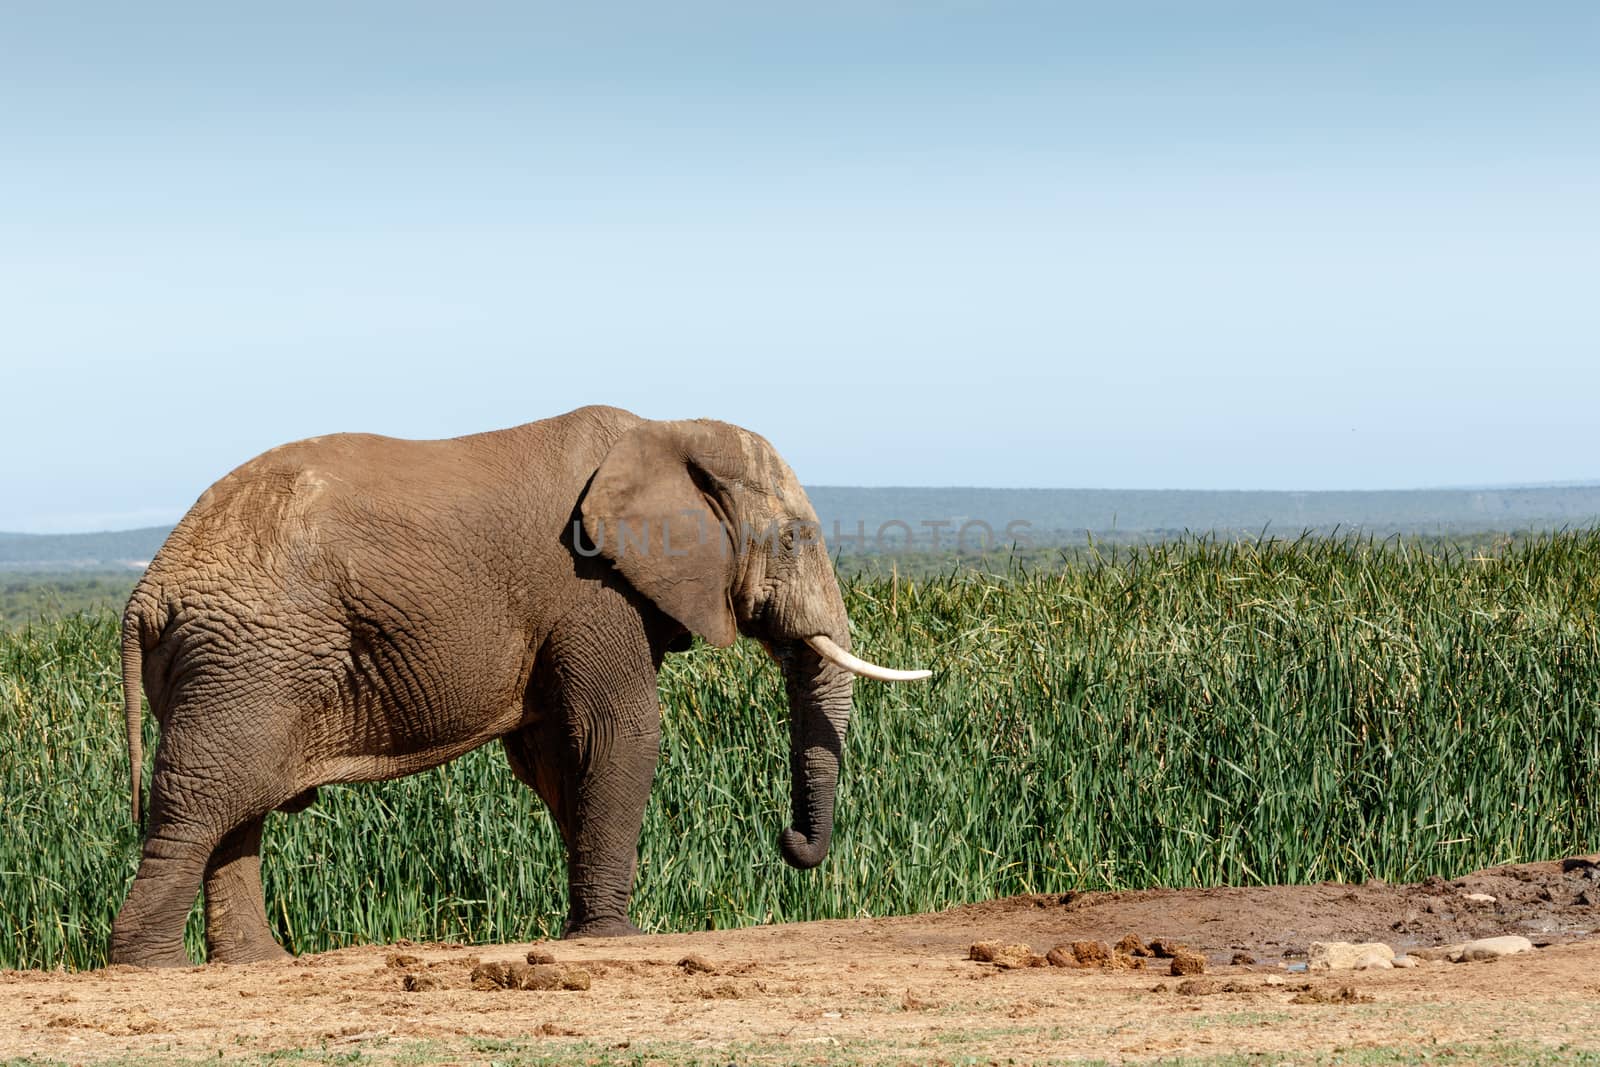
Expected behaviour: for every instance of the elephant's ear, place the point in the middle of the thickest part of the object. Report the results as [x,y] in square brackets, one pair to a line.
[651,509]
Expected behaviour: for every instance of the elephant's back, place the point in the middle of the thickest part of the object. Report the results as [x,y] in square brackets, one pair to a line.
[351,485]
[275,536]
[347,522]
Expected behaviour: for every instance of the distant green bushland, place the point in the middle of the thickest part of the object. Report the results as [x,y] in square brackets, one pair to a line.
[26,597]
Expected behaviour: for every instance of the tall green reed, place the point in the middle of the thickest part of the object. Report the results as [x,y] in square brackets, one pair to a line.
[1192,713]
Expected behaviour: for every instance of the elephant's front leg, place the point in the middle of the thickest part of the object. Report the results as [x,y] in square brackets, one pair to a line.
[611,791]
[593,767]
[591,755]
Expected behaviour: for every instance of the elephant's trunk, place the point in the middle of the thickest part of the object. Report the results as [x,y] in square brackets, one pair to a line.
[819,714]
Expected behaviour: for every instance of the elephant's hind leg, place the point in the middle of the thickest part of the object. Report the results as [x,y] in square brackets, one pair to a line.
[236,914]
[207,798]
[148,931]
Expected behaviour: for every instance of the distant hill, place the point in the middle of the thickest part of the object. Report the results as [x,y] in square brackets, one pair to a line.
[1051,516]
[1068,515]
[116,550]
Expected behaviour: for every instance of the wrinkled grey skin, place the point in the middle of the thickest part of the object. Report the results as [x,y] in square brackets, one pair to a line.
[352,608]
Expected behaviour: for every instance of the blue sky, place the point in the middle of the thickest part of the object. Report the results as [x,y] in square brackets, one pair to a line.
[1196,245]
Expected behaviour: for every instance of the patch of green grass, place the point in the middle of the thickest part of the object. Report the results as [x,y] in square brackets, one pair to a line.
[1196,713]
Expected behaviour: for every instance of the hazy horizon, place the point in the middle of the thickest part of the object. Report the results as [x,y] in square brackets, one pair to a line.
[111,522]
[1416,509]
[1025,244]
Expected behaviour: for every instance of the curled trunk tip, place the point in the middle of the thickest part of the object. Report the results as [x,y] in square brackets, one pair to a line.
[800,852]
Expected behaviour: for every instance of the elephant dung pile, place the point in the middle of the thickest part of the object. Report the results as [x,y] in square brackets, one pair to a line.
[1130,953]
[520,975]
[539,971]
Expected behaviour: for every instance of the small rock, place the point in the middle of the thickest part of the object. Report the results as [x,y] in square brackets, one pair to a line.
[539,955]
[1491,948]
[1487,948]
[1431,953]
[1479,898]
[1347,956]
[1186,962]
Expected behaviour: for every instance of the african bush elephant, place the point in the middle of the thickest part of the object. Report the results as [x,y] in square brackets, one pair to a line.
[353,607]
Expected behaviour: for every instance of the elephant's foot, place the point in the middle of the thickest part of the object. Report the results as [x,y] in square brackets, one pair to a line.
[601,928]
[136,955]
[253,951]
[236,916]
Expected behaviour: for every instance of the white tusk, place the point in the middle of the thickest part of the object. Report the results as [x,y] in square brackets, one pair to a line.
[856,665]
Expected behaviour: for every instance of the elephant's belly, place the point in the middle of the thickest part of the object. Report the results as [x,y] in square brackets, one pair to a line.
[398,715]
[378,750]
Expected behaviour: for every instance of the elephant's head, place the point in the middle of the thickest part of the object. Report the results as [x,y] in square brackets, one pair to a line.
[709,523]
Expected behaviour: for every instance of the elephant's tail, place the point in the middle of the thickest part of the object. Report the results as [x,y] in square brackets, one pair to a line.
[132,691]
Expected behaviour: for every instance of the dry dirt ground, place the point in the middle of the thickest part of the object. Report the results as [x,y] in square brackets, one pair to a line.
[897,990]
